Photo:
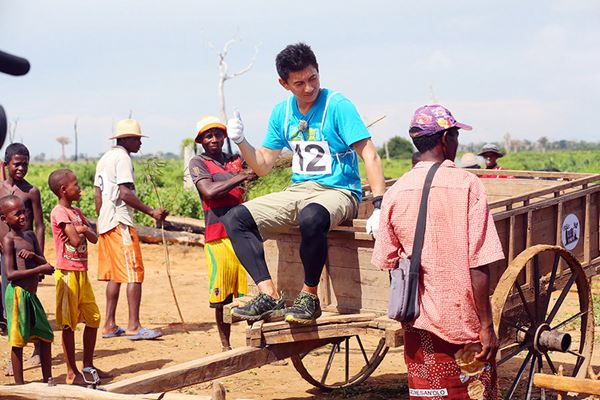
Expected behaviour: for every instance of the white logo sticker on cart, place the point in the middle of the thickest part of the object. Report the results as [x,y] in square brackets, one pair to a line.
[570,232]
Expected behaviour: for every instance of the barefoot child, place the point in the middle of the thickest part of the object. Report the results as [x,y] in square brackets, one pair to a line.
[16,158]
[23,263]
[75,299]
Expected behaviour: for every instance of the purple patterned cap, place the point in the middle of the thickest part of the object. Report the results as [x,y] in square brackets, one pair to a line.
[432,119]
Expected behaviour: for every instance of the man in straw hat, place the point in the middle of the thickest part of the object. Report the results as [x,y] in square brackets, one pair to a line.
[469,160]
[490,153]
[119,253]
[219,176]
[451,346]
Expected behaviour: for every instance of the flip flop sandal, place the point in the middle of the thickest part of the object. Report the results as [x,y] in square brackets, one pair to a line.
[145,334]
[118,332]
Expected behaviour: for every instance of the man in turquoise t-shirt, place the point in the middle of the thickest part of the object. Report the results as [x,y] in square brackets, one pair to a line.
[326,135]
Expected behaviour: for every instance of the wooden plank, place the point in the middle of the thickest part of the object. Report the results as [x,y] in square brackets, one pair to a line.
[298,334]
[228,317]
[545,203]
[254,334]
[539,193]
[183,224]
[587,255]
[210,367]
[567,384]
[536,174]
[511,238]
[394,337]
[559,221]
[595,225]
[322,321]
[41,391]
[154,236]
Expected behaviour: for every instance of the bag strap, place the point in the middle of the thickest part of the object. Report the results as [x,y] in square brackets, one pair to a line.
[415,259]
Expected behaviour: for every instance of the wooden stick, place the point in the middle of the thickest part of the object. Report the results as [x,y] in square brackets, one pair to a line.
[567,384]
[211,367]
[41,391]
[165,245]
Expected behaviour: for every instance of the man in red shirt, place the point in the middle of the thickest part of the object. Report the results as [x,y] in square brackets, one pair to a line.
[219,176]
[450,348]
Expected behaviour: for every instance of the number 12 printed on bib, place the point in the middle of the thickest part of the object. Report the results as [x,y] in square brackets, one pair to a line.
[311,157]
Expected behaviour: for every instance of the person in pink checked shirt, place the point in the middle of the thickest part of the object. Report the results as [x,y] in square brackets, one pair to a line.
[450,348]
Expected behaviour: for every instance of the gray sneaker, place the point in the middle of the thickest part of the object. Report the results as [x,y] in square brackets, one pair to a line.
[259,307]
[305,310]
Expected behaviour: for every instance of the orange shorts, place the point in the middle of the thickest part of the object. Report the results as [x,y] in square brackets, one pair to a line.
[120,256]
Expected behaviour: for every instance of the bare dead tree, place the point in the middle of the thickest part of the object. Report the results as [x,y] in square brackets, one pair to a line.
[75,132]
[63,141]
[12,130]
[224,74]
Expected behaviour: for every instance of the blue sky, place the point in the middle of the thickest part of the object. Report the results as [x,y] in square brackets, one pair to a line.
[528,68]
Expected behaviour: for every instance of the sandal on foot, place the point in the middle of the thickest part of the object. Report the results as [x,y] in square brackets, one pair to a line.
[116,333]
[145,334]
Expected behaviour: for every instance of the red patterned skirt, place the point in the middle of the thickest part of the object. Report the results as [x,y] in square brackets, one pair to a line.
[441,370]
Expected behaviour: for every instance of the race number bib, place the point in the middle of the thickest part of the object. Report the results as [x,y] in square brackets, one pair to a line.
[311,158]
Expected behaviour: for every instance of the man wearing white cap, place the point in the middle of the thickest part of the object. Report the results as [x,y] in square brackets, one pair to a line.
[219,176]
[119,253]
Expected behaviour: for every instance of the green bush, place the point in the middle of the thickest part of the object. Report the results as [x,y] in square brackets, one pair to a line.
[169,179]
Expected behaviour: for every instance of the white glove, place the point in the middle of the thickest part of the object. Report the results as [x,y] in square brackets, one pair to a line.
[373,222]
[235,128]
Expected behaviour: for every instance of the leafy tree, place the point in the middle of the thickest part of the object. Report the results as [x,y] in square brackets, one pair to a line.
[399,148]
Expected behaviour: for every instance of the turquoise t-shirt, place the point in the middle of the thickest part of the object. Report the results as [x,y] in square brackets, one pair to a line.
[333,119]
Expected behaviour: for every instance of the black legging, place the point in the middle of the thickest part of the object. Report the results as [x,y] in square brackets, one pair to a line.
[247,242]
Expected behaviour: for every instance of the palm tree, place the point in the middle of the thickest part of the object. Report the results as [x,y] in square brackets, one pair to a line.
[63,140]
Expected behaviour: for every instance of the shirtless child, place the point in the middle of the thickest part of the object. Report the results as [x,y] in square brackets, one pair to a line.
[16,158]
[23,264]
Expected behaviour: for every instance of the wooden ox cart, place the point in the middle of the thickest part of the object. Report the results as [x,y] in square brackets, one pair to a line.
[548,224]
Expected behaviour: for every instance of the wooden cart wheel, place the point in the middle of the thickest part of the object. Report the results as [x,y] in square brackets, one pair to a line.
[349,363]
[538,324]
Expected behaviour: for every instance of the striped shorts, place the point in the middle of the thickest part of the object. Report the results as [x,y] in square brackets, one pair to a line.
[226,276]
[120,256]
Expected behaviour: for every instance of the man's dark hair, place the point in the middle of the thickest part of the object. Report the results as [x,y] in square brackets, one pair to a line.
[295,57]
[428,142]
[425,143]
[57,179]
[14,149]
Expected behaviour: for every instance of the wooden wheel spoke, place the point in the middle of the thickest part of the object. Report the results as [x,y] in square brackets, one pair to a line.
[576,353]
[513,325]
[570,319]
[551,283]
[559,290]
[560,299]
[550,364]
[512,353]
[329,362]
[536,288]
[347,359]
[362,350]
[513,387]
[530,380]
[525,306]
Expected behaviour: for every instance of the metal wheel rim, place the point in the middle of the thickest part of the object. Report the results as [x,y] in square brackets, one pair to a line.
[373,362]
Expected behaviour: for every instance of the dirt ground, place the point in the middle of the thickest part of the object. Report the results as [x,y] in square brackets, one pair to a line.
[125,358]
